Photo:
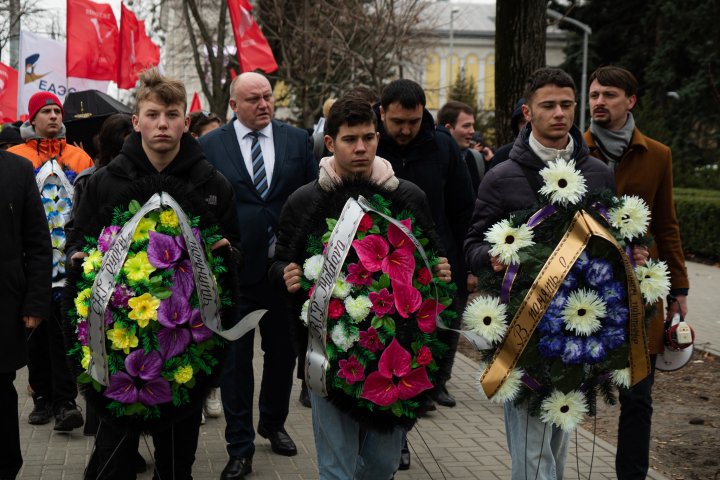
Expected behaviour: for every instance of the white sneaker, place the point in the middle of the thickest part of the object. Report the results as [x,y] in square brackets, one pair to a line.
[213,405]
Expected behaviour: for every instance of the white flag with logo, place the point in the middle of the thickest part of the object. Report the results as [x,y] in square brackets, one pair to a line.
[42,68]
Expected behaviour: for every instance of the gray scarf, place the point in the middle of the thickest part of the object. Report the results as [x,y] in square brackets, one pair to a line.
[613,143]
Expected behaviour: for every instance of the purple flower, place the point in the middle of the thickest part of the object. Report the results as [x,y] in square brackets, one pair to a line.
[612,292]
[551,322]
[612,337]
[145,367]
[598,272]
[142,382]
[109,319]
[82,333]
[594,350]
[183,281]
[106,237]
[551,346]
[573,352]
[199,331]
[173,311]
[173,341]
[181,240]
[163,250]
[617,315]
[121,295]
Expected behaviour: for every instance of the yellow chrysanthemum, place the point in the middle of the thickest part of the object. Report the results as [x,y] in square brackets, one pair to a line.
[143,309]
[86,357]
[183,374]
[122,338]
[144,226]
[92,262]
[169,219]
[82,302]
[138,268]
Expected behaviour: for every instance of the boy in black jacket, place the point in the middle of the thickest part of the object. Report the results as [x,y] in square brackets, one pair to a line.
[159,146]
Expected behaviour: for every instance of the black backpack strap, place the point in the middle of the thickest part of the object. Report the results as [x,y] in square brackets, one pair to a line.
[534,179]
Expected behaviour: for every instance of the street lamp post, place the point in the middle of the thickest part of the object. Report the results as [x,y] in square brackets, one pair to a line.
[583,79]
[452,38]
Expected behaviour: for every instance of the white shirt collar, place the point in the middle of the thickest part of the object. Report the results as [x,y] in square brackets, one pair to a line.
[548,154]
[242,130]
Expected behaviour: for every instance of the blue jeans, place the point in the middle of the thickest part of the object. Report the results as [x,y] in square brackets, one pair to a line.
[346,451]
[537,450]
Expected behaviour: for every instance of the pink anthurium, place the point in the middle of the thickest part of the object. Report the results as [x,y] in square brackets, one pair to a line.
[407,298]
[371,251]
[427,315]
[395,362]
[398,239]
[399,265]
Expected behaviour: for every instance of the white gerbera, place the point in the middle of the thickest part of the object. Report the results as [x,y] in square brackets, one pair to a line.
[304,312]
[564,410]
[508,390]
[312,266]
[631,217]
[358,308]
[343,336]
[507,241]
[583,312]
[342,287]
[654,280]
[487,317]
[563,183]
[621,377]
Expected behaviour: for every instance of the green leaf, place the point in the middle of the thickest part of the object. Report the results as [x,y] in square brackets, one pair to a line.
[389,324]
[376,323]
[134,206]
[162,293]
[84,378]
[397,409]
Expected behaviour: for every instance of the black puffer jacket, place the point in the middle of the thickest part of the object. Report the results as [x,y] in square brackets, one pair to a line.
[108,185]
[432,161]
[505,189]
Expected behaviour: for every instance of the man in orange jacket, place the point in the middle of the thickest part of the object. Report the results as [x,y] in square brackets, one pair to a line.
[53,385]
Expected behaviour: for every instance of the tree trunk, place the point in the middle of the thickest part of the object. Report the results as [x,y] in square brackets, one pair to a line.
[519,51]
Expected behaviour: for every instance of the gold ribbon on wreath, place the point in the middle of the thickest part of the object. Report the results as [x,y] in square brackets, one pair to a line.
[582,228]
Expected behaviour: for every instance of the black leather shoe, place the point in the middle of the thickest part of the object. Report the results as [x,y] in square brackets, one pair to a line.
[237,468]
[68,417]
[426,405]
[41,412]
[280,441]
[404,457]
[442,396]
[304,396]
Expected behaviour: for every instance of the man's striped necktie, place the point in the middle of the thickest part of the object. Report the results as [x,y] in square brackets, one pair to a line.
[258,164]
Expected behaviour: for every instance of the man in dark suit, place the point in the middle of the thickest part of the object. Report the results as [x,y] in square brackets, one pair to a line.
[265,161]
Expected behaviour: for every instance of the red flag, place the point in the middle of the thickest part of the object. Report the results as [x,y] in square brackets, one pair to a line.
[92,40]
[253,50]
[137,50]
[195,104]
[8,93]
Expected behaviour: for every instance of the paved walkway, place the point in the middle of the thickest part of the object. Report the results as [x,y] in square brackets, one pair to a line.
[465,442]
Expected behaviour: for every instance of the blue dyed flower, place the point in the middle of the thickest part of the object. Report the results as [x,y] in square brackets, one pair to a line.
[613,292]
[560,300]
[570,282]
[612,337]
[598,272]
[617,315]
[71,175]
[552,321]
[594,351]
[573,352]
[581,263]
[551,346]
